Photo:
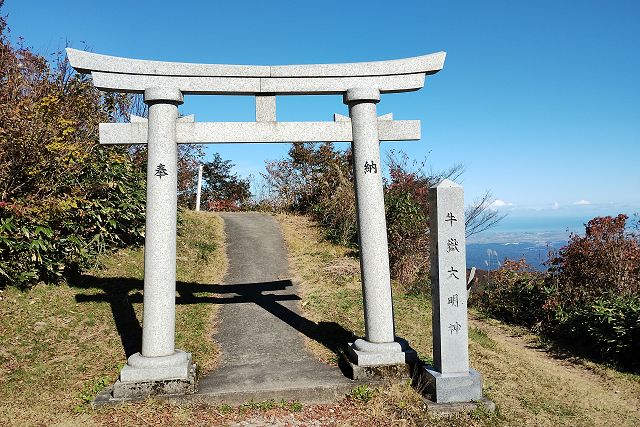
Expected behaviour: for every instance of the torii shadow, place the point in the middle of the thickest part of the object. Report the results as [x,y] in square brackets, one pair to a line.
[119,293]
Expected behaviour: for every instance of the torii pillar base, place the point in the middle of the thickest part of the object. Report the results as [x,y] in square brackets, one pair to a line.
[367,360]
[149,376]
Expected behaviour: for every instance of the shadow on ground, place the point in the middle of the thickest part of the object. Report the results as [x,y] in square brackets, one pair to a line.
[121,293]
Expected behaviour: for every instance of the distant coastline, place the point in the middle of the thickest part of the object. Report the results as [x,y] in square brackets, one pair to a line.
[490,256]
[531,238]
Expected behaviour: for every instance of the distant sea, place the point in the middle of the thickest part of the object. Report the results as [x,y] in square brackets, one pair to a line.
[530,238]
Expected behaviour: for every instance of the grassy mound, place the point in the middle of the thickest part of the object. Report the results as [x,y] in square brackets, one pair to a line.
[60,344]
[530,383]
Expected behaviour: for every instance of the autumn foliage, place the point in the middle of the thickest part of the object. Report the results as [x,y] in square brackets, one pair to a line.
[63,198]
[604,262]
[317,180]
[589,298]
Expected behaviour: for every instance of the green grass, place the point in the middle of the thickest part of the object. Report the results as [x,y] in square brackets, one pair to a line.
[481,337]
[59,344]
[529,385]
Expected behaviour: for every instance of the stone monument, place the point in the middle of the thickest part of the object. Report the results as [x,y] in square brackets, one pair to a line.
[164,84]
[450,379]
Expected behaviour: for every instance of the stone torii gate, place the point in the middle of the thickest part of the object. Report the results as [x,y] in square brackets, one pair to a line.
[165,83]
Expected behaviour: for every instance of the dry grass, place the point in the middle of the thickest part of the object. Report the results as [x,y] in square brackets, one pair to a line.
[59,344]
[54,345]
[529,384]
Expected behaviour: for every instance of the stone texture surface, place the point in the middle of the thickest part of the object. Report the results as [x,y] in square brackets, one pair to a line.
[199,190]
[366,354]
[271,132]
[417,64]
[134,83]
[356,94]
[450,379]
[448,279]
[338,85]
[131,75]
[137,83]
[123,391]
[86,62]
[265,108]
[372,228]
[163,94]
[448,388]
[141,368]
[397,371]
[260,333]
[158,326]
[450,409]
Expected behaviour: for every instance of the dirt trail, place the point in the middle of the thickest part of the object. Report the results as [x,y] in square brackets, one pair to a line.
[525,377]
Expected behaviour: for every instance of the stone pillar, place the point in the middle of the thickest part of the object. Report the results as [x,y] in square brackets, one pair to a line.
[380,346]
[159,360]
[450,379]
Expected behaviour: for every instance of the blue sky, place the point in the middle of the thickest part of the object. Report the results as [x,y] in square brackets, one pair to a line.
[539,100]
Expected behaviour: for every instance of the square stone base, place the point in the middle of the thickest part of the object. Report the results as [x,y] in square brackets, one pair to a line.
[148,376]
[383,358]
[135,389]
[452,388]
[400,371]
[366,365]
[123,391]
[140,368]
[449,409]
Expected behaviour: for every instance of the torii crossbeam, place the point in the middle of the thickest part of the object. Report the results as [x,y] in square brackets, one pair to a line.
[164,84]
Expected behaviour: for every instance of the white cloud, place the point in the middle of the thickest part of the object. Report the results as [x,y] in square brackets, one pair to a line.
[582,202]
[500,204]
[555,205]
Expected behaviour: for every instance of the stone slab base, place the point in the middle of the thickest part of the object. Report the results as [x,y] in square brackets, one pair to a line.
[381,354]
[398,371]
[129,391]
[451,388]
[449,409]
[140,368]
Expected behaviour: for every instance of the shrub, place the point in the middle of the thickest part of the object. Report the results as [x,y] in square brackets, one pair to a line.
[63,198]
[50,240]
[589,298]
[223,190]
[407,213]
[516,294]
[605,262]
[608,328]
[318,181]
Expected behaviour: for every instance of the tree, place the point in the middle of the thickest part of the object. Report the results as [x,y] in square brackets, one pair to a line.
[222,189]
[318,180]
[64,199]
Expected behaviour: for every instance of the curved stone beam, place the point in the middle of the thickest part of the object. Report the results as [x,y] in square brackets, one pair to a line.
[116,74]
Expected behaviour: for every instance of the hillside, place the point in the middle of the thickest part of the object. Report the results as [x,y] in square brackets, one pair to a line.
[60,344]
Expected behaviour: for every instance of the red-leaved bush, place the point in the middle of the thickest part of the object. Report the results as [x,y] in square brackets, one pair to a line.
[602,263]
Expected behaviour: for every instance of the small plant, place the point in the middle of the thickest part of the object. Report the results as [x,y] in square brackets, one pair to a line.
[481,337]
[362,393]
[90,390]
[295,406]
[517,294]
[225,409]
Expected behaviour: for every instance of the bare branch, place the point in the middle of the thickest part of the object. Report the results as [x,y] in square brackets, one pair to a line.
[480,217]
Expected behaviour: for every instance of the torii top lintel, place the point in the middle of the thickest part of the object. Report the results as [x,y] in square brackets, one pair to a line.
[117,74]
